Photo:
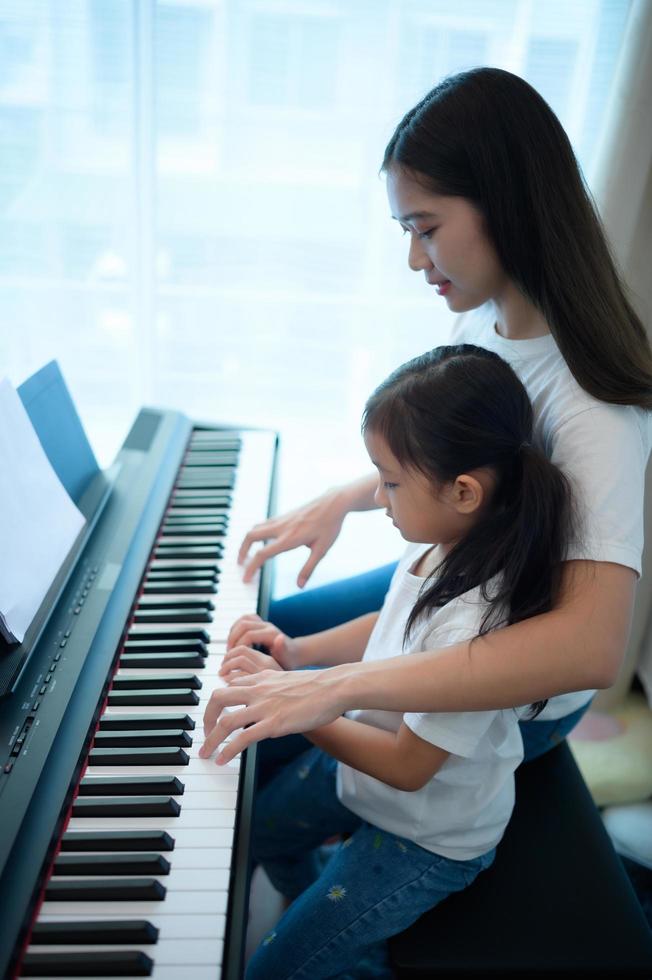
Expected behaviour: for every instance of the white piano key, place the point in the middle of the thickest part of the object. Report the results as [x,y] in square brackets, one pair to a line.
[178,880]
[195,766]
[175,903]
[202,838]
[191,818]
[183,951]
[172,927]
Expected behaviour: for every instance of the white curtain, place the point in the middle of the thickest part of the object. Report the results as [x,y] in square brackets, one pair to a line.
[623,189]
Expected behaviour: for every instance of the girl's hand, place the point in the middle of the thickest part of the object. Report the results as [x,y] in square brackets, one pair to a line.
[251,630]
[244,660]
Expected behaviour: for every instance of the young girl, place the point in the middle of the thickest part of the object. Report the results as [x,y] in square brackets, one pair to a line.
[425,797]
[482,178]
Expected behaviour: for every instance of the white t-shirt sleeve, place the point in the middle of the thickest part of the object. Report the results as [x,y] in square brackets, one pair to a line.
[604,449]
[458,732]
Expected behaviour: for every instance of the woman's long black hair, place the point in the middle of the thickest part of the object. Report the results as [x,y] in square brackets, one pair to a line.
[458,409]
[488,136]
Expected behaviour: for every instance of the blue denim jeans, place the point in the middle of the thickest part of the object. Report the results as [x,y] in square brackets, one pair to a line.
[328,606]
[373,886]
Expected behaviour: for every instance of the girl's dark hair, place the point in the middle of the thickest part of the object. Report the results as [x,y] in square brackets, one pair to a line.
[488,136]
[458,409]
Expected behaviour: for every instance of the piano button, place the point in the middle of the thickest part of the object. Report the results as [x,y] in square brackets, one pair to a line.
[115,864]
[168,720]
[128,963]
[182,575]
[163,660]
[126,681]
[134,739]
[126,786]
[166,645]
[181,602]
[177,551]
[104,890]
[128,806]
[154,756]
[107,932]
[117,840]
[175,695]
[182,903]
[172,616]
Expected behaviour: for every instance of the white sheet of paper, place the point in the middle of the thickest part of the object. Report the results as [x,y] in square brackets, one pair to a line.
[39,523]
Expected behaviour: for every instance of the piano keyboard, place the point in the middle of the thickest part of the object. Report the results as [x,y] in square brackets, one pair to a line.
[140,886]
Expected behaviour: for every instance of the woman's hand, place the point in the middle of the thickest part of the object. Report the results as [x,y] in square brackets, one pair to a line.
[315,525]
[251,630]
[272,703]
[244,660]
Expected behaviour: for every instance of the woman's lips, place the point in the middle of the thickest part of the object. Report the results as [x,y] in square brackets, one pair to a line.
[443,287]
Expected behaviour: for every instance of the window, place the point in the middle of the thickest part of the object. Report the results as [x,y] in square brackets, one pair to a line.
[190,213]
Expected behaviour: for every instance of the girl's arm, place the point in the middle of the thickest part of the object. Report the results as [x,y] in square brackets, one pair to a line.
[316,525]
[578,645]
[401,759]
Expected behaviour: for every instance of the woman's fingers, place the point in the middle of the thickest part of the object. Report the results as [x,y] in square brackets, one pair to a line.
[261,556]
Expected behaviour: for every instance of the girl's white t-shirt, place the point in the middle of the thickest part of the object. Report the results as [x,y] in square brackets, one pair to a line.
[463,810]
[603,449]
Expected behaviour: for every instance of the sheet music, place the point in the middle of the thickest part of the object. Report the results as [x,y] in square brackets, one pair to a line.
[39,523]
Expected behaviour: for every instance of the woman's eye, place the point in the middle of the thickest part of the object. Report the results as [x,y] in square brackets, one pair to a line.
[427,234]
[389,486]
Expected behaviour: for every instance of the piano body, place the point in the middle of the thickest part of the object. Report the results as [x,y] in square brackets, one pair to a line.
[121,852]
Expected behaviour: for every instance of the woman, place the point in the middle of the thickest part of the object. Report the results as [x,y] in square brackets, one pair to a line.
[482,177]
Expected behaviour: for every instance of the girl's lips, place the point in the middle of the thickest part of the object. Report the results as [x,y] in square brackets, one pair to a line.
[443,287]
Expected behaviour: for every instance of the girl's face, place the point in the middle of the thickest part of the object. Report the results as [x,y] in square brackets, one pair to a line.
[448,243]
[422,512]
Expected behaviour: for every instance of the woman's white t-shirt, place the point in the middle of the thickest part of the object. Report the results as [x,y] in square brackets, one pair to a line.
[603,449]
[463,810]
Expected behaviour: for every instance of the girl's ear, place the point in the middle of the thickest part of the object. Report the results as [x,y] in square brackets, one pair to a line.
[468,493]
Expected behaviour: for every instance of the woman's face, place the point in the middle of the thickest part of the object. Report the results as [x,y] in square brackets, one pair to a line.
[447,243]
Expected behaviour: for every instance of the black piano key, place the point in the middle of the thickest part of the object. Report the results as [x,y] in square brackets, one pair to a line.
[139,681]
[145,603]
[147,863]
[154,756]
[172,615]
[105,890]
[117,840]
[125,738]
[178,551]
[146,661]
[111,963]
[127,806]
[163,645]
[170,719]
[169,633]
[182,574]
[131,786]
[173,695]
[217,530]
[187,586]
[117,932]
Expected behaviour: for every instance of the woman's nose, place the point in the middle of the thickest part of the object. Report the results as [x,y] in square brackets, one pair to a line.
[417,258]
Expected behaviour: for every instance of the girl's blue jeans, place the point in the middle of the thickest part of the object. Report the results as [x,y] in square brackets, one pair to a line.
[373,886]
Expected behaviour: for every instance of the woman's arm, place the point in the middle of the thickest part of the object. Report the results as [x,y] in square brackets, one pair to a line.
[316,525]
[401,759]
[578,645]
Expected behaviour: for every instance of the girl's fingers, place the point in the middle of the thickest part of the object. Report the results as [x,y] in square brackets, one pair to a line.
[241,662]
[241,626]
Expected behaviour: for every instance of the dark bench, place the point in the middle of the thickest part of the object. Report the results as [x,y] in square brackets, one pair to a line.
[556,902]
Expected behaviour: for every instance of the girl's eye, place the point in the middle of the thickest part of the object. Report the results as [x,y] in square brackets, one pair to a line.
[389,486]
[427,234]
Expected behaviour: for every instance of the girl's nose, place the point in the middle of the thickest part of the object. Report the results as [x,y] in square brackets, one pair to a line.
[380,497]
[418,260]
